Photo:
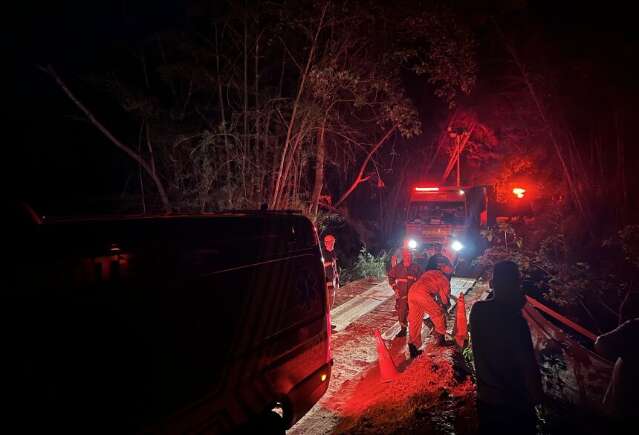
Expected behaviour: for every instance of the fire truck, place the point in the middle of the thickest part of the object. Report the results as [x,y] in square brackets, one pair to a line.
[449,219]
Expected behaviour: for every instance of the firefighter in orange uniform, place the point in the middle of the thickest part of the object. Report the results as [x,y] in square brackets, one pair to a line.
[401,277]
[330,267]
[430,295]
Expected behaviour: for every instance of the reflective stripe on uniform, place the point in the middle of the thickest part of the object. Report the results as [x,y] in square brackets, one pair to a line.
[401,279]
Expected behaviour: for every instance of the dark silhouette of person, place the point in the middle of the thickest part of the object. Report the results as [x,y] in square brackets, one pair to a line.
[620,346]
[508,378]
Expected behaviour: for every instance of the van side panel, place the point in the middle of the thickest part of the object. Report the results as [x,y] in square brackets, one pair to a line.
[171,325]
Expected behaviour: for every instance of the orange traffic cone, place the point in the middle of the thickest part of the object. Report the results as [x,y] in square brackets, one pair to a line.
[387,368]
[461,324]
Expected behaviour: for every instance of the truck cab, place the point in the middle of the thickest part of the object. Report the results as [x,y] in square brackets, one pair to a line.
[446,220]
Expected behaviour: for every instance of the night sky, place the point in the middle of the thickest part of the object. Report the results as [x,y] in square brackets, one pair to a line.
[56,159]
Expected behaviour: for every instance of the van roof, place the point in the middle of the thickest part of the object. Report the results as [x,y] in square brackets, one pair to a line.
[43,220]
[272,230]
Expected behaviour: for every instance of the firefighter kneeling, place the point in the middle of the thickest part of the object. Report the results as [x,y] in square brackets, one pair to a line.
[430,295]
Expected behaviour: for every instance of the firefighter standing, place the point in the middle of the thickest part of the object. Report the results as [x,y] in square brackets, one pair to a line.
[430,295]
[401,278]
[330,267]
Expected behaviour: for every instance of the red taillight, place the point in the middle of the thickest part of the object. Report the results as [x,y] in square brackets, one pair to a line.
[426,189]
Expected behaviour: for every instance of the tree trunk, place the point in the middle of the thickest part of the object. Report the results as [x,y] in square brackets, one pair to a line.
[245,140]
[300,90]
[299,137]
[150,148]
[140,169]
[393,206]
[258,113]
[227,147]
[320,156]
[264,169]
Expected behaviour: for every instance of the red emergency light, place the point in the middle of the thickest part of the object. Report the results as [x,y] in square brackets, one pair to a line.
[427,189]
[519,192]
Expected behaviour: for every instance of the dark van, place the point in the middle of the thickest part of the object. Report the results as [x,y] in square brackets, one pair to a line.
[183,324]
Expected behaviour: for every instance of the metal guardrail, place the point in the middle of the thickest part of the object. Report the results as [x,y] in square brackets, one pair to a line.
[555,315]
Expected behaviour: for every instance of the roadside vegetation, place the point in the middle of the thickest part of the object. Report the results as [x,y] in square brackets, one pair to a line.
[366,265]
[586,280]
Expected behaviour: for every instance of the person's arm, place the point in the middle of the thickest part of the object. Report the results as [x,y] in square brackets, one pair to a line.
[444,291]
[334,262]
[391,278]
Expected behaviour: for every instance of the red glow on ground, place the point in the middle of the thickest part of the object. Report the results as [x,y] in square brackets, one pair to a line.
[425,397]
[420,386]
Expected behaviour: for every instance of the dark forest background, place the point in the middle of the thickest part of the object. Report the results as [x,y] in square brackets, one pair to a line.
[336,108]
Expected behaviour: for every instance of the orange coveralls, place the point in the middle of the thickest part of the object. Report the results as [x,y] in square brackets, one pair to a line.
[421,299]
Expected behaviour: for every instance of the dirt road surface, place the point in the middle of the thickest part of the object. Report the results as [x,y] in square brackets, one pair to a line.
[427,389]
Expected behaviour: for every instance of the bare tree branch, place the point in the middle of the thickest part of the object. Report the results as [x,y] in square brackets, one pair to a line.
[126,149]
[359,178]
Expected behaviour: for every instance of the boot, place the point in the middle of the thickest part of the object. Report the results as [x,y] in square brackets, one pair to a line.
[414,352]
[401,333]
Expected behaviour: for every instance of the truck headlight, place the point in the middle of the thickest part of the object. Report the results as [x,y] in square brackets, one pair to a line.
[412,244]
[457,245]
